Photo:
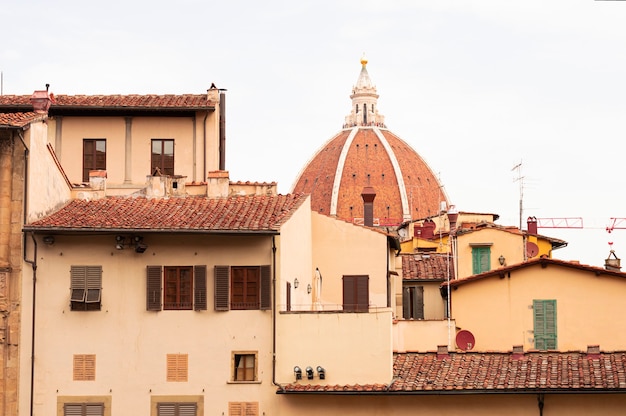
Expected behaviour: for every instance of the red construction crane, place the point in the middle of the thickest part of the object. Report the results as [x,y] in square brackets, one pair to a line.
[569,222]
[616,224]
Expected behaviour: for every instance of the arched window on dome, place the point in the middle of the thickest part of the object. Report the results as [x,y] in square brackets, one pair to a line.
[372,108]
[357,109]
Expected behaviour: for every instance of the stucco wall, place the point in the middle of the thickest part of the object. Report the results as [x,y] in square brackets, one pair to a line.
[501,243]
[498,311]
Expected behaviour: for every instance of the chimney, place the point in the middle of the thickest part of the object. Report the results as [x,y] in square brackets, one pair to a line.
[41,101]
[453,216]
[531,223]
[218,184]
[518,352]
[593,352]
[368,196]
[442,352]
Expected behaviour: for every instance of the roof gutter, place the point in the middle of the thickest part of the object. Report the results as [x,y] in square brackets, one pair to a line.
[105,231]
[451,392]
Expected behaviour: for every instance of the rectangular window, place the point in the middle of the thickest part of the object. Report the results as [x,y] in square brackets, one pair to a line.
[177,409]
[545,324]
[243,408]
[85,288]
[481,259]
[176,288]
[356,293]
[412,301]
[244,366]
[242,287]
[83,409]
[162,160]
[94,156]
[177,368]
[84,367]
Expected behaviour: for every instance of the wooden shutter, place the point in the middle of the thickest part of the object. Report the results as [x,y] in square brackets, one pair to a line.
[266,287]
[177,367]
[356,293]
[199,294]
[77,283]
[243,408]
[153,288]
[406,302]
[187,409]
[94,409]
[93,278]
[83,409]
[222,288]
[177,409]
[481,259]
[362,293]
[545,324]
[84,367]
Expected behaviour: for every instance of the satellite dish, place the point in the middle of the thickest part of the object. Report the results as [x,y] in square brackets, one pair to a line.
[531,249]
[465,340]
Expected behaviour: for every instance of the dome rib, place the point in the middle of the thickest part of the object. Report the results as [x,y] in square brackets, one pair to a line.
[339,171]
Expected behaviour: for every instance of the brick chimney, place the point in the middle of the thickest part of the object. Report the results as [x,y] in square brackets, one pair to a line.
[531,224]
[368,196]
[218,184]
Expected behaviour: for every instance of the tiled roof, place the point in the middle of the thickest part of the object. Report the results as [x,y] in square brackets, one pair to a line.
[188,214]
[133,101]
[18,119]
[493,372]
[433,266]
[544,262]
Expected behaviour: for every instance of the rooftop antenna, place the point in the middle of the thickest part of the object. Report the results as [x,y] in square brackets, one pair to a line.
[1,83]
[520,179]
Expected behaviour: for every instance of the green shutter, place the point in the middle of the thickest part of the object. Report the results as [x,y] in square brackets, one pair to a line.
[199,288]
[481,259]
[545,324]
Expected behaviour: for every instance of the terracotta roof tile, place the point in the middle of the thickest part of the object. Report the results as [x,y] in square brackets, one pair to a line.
[149,101]
[234,214]
[433,266]
[18,119]
[475,372]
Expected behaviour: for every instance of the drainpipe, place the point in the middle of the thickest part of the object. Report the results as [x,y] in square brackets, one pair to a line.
[540,403]
[274,311]
[206,115]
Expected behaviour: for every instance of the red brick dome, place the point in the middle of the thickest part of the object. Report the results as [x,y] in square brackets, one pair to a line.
[366,153]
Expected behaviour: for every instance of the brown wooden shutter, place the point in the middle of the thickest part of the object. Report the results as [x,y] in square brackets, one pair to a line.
[84,367]
[266,287]
[222,288]
[77,283]
[199,294]
[348,293]
[362,293]
[356,293]
[243,408]
[177,367]
[153,288]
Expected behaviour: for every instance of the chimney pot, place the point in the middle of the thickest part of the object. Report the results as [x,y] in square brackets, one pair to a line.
[41,102]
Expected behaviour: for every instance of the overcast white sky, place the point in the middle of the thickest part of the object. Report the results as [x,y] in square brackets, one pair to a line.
[475,87]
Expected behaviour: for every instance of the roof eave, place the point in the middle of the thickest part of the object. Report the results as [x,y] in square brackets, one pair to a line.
[104,231]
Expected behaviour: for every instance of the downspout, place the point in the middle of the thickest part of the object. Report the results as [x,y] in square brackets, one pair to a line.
[33,264]
[540,403]
[204,172]
[274,311]
[222,132]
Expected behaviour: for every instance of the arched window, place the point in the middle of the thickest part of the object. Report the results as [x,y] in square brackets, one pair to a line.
[357,109]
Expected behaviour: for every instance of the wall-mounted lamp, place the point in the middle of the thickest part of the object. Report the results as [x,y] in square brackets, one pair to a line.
[49,240]
[501,260]
[298,372]
[119,242]
[308,288]
[296,283]
[309,373]
[321,372]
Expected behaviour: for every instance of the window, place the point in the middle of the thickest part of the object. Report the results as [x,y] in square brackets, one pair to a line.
[288,300]
[356,293]
[178,288]
[177,409]
[242,287]
[85,288]
[481,259]
[545,324]
[162,161]
[84,367]
[244,366]
[243,408]
[177,367]
[183,287]
[83,409]
[94,156]
[412,301]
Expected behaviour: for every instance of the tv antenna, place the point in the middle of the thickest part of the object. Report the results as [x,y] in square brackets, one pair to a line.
[520,179]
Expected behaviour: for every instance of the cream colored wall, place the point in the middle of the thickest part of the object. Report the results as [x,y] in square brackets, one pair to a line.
[504,243]
[47,189]
[341,248]
[498,311]
[131,343]
[452,405]
[422,335]
[353,348]
[187,132]
[294,248]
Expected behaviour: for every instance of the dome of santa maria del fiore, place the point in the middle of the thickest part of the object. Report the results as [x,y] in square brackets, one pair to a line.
[366,155]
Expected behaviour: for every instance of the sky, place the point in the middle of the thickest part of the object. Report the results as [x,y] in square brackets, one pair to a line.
[476,87]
